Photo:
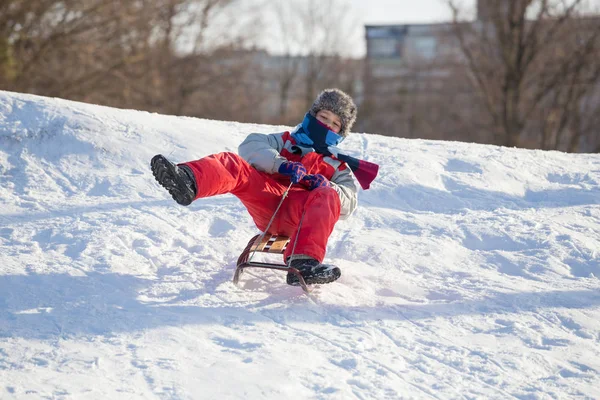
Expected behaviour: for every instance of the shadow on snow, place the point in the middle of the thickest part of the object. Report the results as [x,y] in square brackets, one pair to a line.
[37,306]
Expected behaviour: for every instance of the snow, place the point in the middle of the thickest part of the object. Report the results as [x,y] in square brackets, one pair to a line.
[468,271]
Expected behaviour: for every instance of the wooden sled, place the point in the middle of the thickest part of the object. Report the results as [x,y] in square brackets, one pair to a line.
[269,244]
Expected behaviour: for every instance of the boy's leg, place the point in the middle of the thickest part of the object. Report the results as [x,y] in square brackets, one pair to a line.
[219,174]
[319,210]
[229,173]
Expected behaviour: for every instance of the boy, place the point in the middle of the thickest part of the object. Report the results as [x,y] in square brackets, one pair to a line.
[323,189]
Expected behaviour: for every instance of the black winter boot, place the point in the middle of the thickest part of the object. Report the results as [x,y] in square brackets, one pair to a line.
[313,272]
[178,180]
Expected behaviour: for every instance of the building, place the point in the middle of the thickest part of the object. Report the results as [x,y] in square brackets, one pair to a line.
[401,61]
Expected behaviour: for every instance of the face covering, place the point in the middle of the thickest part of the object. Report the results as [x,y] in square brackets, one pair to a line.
[315,134]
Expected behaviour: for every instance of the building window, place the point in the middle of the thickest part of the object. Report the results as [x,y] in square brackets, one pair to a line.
[385,47]
[424,47]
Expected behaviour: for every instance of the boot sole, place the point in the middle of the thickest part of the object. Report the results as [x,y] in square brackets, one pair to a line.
[292,279]
[166,175]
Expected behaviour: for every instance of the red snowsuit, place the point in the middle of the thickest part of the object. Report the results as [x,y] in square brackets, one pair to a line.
[261,192]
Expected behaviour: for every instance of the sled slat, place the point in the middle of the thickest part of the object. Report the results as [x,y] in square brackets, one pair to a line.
[279,245]
[259,245]
[271,244]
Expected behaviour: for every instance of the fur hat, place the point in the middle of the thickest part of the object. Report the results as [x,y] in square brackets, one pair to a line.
[339,103]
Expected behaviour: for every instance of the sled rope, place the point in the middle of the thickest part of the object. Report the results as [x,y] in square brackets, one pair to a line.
[296,239]
[262,236]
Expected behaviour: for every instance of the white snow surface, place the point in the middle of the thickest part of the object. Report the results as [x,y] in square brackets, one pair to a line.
[468,271]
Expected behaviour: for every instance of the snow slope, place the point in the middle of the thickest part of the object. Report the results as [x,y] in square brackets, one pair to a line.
[468,271]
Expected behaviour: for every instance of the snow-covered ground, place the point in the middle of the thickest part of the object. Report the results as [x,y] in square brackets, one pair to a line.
[468,271]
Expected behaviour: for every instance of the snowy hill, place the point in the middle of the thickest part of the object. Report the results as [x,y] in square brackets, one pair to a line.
[468,271]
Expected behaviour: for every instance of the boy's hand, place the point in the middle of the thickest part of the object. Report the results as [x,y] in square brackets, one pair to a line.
[316,181]
[295,170]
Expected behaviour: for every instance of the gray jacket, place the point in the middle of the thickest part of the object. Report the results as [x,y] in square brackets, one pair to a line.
[263,152]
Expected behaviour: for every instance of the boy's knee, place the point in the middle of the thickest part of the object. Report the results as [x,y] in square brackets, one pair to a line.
[230,155]
[231,160]
[326,191]
[327,195]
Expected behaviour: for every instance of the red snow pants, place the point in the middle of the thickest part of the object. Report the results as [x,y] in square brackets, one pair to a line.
[261,192]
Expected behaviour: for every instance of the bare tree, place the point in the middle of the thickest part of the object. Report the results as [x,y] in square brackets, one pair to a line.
[184,57]
[531,62]
[326,35]
[313,37]
[60,47]
[288,66]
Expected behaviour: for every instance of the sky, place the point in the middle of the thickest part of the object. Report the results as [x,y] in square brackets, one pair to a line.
[401,11]
[365,12]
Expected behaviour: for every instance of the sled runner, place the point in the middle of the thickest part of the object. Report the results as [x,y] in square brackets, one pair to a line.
[266,244]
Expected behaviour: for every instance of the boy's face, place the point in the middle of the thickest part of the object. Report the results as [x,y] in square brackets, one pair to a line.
[330,119]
